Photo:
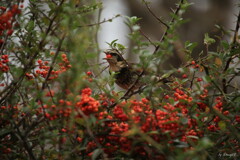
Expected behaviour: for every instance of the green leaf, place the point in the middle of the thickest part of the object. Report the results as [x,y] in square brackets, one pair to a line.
[190,46]
[208,40]
[193,137]
[207,78]
[225,45]
[222,125]
[30,25]
[96,153]
[205,142]
[120,46]
[134,19]
[5,131]
[113,43]
[184,120]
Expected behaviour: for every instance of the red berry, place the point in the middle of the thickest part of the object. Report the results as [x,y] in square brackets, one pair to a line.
[184,76]
[10,31]
[79,139]
[196,66]
[89,73]
[63,130]
[199,79]
[166,97]
[226,113]
[108,56]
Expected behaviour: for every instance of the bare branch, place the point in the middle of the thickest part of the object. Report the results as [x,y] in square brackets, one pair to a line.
[98,23]
[236,29]
[154,15]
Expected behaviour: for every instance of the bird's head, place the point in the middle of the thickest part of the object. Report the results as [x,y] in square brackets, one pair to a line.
[115,60]
[113,56]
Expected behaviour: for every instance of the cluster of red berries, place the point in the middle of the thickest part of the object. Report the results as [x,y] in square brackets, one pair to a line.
[141,114]
[193,65]
[4,63]
[44,68]
[7,19]
[166,122]
[118,126]
[87,104]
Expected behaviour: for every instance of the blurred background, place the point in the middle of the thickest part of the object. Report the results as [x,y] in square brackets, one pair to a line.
[203,16]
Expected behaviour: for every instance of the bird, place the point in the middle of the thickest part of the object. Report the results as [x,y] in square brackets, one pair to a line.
[126,76]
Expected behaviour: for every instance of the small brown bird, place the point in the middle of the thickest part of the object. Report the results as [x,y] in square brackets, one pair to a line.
[126,76]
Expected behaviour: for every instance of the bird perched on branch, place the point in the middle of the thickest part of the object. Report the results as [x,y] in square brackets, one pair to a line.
[126,76]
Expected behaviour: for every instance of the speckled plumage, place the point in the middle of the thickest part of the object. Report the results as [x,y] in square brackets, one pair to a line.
[125,76]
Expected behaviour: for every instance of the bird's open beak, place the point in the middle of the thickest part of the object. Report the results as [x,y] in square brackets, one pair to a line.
[108,56]
[105,57]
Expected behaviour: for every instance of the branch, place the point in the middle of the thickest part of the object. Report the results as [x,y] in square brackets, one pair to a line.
[172,20]
[126,95]
[236,29]
[91,133]
[148,38]
[130,89]
[53,62]
[15,84]
[154,15]
[224,80]
[25,143]
[98,23]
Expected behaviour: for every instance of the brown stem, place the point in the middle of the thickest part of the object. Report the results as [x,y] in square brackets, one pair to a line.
[15,84]
[224,80]
[91,133]
[154,15]
[166,31]
[98,23]
[53,62]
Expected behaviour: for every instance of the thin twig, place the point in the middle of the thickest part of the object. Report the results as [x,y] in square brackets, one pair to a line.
[154,15]
[130,89]
[98,23]
[172,20]
[236,29]
[16,83]
[148,38]
[101,72]
[224,80]
[91,133]
[53,62]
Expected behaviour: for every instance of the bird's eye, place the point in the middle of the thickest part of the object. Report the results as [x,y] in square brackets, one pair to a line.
[108,56]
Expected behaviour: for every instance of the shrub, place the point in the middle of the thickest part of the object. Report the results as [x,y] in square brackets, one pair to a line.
[55,103]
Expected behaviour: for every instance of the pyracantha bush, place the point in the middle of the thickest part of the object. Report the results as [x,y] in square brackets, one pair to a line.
[56,104]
